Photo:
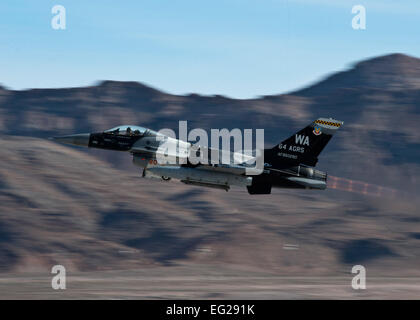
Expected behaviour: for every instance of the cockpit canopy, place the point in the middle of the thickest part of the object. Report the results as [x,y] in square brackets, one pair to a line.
[127,131]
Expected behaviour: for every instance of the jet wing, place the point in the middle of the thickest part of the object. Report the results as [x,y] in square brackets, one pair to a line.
[161,147]
[180,152]
[234,163]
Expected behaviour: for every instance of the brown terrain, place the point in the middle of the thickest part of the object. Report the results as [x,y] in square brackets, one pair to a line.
[120,236]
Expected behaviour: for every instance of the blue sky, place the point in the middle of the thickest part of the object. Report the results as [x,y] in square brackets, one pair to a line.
[238,48]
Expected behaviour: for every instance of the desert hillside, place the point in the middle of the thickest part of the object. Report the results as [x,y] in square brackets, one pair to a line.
[90,210]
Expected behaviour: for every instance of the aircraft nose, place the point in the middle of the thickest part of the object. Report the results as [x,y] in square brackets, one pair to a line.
[81,139]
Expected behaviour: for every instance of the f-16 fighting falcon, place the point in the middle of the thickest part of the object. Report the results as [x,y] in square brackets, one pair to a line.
[289,164]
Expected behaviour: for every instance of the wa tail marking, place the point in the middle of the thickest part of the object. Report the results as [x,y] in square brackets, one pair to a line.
[301,139]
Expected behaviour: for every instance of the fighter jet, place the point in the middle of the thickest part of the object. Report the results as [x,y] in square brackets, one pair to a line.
[290,164]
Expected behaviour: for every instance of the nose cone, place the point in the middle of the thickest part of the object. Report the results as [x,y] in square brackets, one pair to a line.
[81,139]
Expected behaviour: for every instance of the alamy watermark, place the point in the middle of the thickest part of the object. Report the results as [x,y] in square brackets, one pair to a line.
[237,147]
[58,281]
[359,280]
[359,20]
[58,21]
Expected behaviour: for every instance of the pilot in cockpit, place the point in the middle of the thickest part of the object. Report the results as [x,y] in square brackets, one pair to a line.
[127,131]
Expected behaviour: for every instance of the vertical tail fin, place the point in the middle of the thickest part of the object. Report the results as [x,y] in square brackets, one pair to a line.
[304,146]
